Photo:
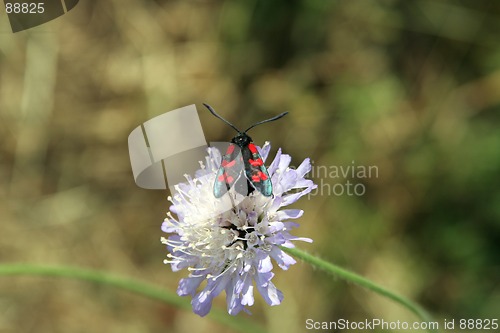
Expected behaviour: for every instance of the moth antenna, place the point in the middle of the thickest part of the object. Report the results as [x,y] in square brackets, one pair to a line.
[212,111]
[267,120]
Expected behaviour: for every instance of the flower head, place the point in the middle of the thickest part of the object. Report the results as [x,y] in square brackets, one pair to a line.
[229,242]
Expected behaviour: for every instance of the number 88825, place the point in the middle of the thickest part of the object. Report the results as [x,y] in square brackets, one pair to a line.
[24,8]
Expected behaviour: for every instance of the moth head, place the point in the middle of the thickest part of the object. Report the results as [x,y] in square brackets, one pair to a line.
[242,139]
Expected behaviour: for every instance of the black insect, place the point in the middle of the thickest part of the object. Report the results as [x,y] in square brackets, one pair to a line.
[241,155]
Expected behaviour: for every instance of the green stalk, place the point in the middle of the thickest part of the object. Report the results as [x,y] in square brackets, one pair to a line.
[359,280]
[239,323]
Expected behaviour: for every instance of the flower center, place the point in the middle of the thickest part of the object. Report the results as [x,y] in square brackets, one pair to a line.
[243,235]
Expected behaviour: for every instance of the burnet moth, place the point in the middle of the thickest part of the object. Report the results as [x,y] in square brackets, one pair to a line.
[233,163]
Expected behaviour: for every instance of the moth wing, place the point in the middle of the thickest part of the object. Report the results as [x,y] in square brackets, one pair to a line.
[229,172]
[263,185]
[255,171]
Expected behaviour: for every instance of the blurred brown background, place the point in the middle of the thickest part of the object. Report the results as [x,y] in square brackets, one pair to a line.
[412,87]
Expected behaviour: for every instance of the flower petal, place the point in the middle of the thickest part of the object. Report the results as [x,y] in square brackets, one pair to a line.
[247,298]
[304,168]
[264,151]
[289,214]
[202,302]
[233,300]
[265,265]
[284,162]
[189,285]
[284,260]
[267,289]
[274,165]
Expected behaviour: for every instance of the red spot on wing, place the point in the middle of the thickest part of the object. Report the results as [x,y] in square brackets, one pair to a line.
[225,178]
[262,175]
[256,178]
[252,148]
[230,150]
[227,164]
[256,163]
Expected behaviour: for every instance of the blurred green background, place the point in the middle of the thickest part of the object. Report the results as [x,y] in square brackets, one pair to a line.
[412,87]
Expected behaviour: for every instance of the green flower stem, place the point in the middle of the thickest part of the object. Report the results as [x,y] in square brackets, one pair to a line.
[141,288]
[364,282]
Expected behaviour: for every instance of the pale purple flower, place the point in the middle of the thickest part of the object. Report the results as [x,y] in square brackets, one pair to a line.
[232,247]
